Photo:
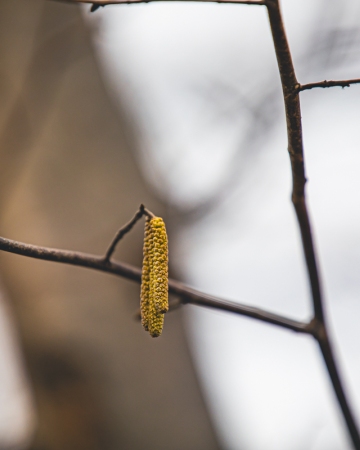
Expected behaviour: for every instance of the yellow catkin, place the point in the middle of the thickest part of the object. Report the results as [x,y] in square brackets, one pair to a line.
[154,284]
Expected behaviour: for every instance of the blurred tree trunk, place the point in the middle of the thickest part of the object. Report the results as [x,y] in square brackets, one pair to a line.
[69,179]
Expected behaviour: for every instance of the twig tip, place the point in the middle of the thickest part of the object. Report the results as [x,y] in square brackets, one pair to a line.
[94,7]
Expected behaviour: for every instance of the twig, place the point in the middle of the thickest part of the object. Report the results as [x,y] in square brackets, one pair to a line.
[125,229]
[329,359]
[290,87]
[133,273]
[327,84]
[98,3]
[147,212]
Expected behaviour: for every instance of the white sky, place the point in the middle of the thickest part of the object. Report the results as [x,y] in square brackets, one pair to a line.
[194,71]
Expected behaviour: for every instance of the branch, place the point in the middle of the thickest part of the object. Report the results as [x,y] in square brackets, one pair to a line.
[295,148]
[194,297]
[96,4]
[125,229]
[329,359]
[173,306]
[327,84]
[290,88]
[133,273]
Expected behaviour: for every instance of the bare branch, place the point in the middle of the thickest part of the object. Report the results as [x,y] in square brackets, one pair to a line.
[147,212]
[329,358]
[295,148]
[290,87]
[327,84]
[198,298]
[125,229]
[96,4]
[133,273]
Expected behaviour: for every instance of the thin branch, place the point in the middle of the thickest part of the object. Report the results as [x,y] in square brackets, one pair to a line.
[133,273]
[290,87]
[147,212]
[121,233]
[317,326]
[125,229]
[295,148]
[99,3]
[327,84]
[329,359]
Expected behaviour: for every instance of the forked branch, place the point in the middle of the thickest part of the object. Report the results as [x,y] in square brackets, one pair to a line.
[290,87]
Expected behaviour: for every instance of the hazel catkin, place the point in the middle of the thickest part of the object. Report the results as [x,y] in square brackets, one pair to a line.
[154,282]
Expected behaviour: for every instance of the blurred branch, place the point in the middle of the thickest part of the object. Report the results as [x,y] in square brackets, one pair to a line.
[100,3]
[290,87]
[327,84]
[186,294]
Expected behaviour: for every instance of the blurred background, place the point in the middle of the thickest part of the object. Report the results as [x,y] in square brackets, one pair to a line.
[178,106]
